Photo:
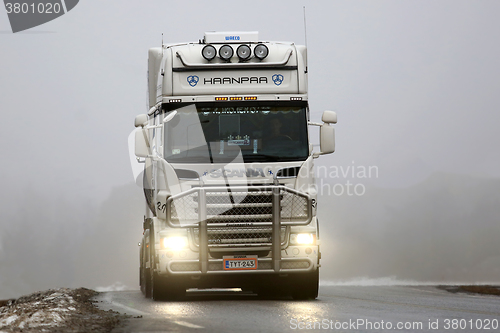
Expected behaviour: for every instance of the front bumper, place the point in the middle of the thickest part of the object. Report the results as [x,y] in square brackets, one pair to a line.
[293,259]
[215,266]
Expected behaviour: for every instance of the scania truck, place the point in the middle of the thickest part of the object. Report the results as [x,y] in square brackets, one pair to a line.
[228,176]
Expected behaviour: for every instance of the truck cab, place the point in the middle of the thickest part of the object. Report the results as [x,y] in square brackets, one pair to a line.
[231,198]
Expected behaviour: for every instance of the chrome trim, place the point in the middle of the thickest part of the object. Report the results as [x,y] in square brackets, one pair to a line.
[260,261]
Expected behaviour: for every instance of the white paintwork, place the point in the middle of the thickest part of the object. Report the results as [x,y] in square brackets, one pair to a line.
[179,73]
[170,66]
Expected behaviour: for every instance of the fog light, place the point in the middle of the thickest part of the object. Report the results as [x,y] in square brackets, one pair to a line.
[209,52]
[174,242]
[243,52]
[302,239]
[226,52]
[261,51]
[305,239]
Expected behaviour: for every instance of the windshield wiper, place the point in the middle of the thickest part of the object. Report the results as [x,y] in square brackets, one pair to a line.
[188,159]
[273,158]
[262,157]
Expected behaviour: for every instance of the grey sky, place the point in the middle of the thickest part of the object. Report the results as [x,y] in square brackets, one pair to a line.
[415,85]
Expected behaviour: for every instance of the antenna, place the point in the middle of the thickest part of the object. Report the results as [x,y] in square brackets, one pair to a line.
[305,33]
[162,48]
[305,26]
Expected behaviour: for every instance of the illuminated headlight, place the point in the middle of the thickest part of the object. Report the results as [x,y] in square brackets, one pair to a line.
[261,51]
[243,52]
[209,52]
[174,242]
[302,239]
[226,52]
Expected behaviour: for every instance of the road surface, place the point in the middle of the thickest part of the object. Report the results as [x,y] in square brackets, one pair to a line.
[337,309]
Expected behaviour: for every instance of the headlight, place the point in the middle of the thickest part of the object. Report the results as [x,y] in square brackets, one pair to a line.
[174,242]
[302,239]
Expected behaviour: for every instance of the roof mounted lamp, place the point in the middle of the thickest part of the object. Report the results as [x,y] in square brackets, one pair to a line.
[209,52]
[261,51]
[243,52]
[226,52]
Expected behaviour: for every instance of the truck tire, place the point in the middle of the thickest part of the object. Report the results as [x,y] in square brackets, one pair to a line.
[306,286]
[146,273]
[157,290]
[269,290]
[145,279]
[143,274]
[165,289]
[146,287]
[266,293]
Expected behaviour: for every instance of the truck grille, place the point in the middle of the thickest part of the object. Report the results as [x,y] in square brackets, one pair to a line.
[223,207]
[237,216]
[227,236]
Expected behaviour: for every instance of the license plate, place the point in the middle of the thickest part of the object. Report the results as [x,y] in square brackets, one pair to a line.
[236,263]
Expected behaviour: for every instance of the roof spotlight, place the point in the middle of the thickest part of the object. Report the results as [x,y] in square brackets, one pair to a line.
[209,52]
[261,51]
[226,52]
[243,52]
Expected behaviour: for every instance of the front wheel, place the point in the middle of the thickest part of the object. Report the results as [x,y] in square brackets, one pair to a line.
[144,274]
[305,286]
[165,289]
[146,282]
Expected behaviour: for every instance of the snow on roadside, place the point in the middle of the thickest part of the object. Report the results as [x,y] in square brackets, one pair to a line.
[48,311]
[56,310]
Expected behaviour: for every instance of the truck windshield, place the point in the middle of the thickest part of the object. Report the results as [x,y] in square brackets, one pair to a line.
[215,133]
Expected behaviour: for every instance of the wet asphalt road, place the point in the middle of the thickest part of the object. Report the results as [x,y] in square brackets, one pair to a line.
[337,309]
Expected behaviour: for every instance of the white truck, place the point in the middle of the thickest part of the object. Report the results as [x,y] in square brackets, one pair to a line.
[228,168]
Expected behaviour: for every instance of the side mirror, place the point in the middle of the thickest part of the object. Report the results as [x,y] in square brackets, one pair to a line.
[327,138]
[141,143]
[326,133]
[329,117]
[141,120]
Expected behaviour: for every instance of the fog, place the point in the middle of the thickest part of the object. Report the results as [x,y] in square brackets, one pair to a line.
[442,230]
[414,85]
